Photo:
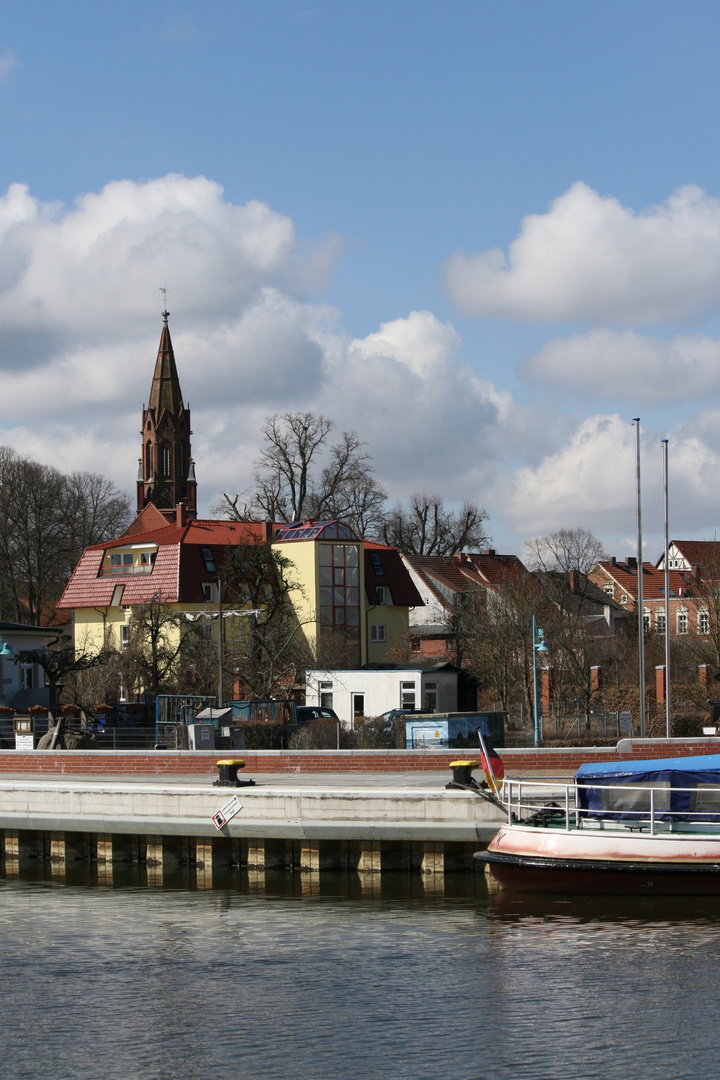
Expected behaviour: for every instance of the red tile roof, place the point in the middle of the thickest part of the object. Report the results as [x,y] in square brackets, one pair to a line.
[624,574]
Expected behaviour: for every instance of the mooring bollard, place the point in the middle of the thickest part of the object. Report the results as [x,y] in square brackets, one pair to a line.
[228,773]
[462,774]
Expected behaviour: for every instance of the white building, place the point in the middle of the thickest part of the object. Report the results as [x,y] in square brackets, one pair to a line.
[372,691]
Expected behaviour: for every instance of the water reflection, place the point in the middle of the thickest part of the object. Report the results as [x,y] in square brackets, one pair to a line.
[328,977]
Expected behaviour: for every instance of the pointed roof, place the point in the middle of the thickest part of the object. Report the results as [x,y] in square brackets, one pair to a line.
[165,391]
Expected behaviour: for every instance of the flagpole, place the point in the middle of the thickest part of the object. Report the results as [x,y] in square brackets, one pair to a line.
[668,723]
[640,601]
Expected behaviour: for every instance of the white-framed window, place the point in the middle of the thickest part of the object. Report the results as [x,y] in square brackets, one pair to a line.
[624,599]
[407,695]
[647,623]
[703,622]
[660,622]
[124,635]
[209,594]
[609,589]
[326,695]
[681,621]
[26,677]
[377,632]
[121,562]
[380,593]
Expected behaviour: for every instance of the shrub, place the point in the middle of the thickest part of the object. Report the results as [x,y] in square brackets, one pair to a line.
[688,727]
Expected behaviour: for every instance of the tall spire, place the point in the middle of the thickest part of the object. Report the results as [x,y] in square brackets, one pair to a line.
[166,475]
[165,391]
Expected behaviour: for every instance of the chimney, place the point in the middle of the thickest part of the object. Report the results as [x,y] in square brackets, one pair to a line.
[180,514]
[488,551]
[267,531]
[613,561]
[632,562]
[574,581]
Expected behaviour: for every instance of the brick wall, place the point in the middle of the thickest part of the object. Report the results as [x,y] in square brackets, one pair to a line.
[153,763]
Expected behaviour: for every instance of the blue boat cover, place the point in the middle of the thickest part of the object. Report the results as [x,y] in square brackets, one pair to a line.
[685,785]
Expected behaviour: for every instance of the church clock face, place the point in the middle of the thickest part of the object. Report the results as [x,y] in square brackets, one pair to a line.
[164,496]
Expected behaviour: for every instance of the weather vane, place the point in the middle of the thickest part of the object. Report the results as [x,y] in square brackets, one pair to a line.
[165,313]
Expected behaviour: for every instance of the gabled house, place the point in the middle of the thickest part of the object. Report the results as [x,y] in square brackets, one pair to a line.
[688,610]
[445,583]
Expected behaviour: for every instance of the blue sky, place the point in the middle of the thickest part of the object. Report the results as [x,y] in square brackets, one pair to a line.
[483,235]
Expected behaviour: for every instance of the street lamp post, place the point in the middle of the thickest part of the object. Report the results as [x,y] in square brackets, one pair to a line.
[539,646]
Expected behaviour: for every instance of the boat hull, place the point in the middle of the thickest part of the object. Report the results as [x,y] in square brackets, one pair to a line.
[606,861]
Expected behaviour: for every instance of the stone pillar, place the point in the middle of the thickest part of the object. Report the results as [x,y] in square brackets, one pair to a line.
[58,854]
[12,852]
[545,692]
[595,679]
[433,859]
[154,860]
[310,856]
[660,684]
[370,861]
[204,864]
[256,855]
[703,672]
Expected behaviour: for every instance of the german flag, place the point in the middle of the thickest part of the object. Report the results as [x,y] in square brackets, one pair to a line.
[492,766]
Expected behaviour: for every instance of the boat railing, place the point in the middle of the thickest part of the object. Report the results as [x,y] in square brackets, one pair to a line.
[639,807]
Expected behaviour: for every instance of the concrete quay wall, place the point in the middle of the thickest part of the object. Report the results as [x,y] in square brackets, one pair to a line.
[201,763]
[368,830]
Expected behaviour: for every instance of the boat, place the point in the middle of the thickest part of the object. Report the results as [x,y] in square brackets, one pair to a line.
[632,826]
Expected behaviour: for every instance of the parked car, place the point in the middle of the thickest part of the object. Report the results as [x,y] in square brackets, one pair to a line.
[392,714]
[305,713]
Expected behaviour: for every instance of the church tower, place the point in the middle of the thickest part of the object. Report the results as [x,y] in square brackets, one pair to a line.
[166,471]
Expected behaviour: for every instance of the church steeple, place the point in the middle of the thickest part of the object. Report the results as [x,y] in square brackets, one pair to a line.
[166,472]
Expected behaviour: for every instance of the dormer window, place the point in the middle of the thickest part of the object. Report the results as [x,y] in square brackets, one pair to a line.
[208,559]
[376,563]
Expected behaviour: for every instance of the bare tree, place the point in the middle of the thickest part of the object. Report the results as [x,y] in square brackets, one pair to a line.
[297,474]
[266,655]
[46,519]
[565,550]
[427,527]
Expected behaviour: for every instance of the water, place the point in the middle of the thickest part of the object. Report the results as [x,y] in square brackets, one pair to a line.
[339,983]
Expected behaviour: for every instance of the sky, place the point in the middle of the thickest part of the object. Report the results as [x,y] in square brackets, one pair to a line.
[482,234]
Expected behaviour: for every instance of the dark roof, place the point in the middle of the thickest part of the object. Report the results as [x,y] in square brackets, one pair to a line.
[165,390]
[383,566]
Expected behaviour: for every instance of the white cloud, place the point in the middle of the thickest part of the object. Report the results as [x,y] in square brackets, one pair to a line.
[589,257]
[80,323]
[627,366]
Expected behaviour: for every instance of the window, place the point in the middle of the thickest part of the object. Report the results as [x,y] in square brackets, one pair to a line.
[166,457]
[377,633]
[26,677]
[430,697]
[407,695]
[121,562]
[646,622]
[682,622]
[117,596]
[624,599]
[703,621]
[208,593]
[326,695]
[124,636]
[208,559]
[660,622]
[609,589]
[380,593]
[339,591]
[148,460]
[358,705]
[376,563]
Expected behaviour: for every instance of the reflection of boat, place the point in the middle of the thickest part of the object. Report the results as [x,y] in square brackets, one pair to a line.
[640,826]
